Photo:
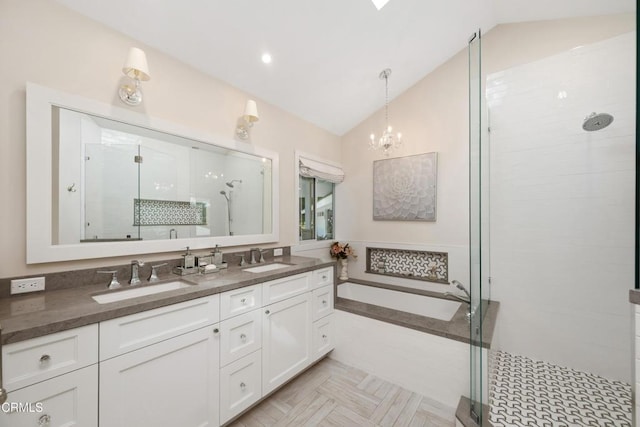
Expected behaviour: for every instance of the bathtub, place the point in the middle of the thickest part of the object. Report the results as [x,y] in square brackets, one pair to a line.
[422,305]
[412,340]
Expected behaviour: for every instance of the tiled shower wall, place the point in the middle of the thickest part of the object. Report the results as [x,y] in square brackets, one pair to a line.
[562,207]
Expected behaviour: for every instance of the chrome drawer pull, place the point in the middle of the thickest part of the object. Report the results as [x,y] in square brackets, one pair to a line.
[44,420]
[324,277]
[243,301]
[243,337]
[267,312]
[324,302]
[216,330]
[324,337]
[45,358]
[242,386]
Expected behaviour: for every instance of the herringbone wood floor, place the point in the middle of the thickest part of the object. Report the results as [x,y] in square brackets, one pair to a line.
[333,394]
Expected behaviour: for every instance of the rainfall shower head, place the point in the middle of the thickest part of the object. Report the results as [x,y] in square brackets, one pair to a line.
[596,121]
[230,183]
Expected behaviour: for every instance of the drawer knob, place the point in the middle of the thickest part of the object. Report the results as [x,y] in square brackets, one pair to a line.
[45,358]
[324,337]
[324,302]
[243,301]
[267,312]
[324,277]
[44,420]
[243,337]
[242,386]
[216,330]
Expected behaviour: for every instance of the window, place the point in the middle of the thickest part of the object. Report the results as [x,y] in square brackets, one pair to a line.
[316,209]
[316,205]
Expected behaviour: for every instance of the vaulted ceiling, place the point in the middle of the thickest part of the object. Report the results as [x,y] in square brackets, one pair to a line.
[327,54]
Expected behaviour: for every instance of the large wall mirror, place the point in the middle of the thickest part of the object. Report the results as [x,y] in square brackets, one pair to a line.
[106,181]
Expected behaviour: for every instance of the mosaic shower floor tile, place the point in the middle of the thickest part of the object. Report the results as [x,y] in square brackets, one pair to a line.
[526,392]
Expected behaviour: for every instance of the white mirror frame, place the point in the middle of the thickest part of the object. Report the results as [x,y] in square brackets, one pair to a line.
[40,101]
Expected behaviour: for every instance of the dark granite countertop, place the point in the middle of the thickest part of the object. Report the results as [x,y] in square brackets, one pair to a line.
[457,328]
[32,315]
[634,296]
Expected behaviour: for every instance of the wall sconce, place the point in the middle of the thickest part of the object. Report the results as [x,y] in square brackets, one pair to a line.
[135,67]
[250,116]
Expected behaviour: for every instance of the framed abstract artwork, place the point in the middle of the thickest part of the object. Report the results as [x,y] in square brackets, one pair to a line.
[404,188]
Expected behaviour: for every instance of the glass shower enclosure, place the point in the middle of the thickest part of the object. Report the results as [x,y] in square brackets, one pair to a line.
[479,256]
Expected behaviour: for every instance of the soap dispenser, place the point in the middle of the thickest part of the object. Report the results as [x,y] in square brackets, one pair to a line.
[217,256]
[188,260]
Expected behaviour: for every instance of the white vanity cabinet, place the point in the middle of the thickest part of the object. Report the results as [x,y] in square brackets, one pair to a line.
[53,379]
[200,362]
[165,367]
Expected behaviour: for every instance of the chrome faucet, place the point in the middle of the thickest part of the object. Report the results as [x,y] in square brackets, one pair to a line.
[172,232]
[113,284]
[154,272]
[253,255]
[135,278]
[465,298]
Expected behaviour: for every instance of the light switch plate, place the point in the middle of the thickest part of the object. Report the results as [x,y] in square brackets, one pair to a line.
[277,252]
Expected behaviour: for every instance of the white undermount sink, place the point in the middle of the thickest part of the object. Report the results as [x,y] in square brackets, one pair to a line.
[139,292]
[266,267]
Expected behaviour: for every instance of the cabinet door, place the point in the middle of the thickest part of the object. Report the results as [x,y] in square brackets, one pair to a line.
[286,340]
[171,383]
[68,400]
[240,385]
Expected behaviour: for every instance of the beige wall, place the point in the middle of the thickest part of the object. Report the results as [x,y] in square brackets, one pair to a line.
[433,116]
[43,42]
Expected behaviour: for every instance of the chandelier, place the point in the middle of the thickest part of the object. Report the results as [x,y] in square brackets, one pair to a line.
[388,141]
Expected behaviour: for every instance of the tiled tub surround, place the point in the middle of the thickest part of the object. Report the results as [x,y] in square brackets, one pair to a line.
[37,314]
[410,264]
[426,355]
[456,329]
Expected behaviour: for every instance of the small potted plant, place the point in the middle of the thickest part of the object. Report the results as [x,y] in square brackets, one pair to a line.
[342,252]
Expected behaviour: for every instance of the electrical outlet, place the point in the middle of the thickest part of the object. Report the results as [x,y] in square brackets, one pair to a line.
[22,286]
[277,252]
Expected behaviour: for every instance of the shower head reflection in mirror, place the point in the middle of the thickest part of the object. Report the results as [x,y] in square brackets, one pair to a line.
[174,183]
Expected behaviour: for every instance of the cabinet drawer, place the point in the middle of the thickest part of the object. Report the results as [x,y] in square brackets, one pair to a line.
[67,400]
[323,277]
[238,301]
[287,287]
[240,385]
[322,302]
[240,336]
[128,333]
[323,337]
[38,359]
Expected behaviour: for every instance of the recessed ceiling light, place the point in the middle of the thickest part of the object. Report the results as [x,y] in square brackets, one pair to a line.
[266,58]
[379,4]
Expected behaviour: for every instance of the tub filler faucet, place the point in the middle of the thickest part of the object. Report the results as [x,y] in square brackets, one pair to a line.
[464,298]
